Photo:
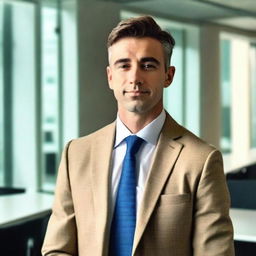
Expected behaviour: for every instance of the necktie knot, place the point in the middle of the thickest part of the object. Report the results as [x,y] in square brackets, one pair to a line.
[133,144]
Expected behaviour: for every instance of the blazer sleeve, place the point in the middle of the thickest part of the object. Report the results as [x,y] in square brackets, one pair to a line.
[60,238]
[213,231]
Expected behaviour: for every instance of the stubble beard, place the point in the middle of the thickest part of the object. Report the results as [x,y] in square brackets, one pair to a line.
[136,108]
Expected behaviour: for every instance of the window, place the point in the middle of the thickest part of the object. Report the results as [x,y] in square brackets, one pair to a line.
[238,99]
[225,141]
[50,96]
[29,94]
[19,83]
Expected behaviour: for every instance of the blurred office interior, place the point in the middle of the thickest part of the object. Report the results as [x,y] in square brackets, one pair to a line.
[53,88]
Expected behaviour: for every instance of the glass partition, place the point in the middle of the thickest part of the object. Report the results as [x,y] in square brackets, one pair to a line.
[29,94]
[17,90]
[20,84]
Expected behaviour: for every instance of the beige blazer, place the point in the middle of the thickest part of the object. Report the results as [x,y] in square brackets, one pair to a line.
[184,211]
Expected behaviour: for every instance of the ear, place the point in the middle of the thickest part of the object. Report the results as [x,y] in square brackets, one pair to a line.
[109,75]
[169,76]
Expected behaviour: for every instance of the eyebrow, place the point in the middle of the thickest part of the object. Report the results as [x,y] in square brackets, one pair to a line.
[125,60]
[150,59]
[143,60]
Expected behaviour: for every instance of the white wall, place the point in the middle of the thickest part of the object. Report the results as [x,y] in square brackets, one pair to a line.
[210,85]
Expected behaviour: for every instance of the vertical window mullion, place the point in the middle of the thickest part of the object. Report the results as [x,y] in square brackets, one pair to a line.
[7,92]
[51,94]
[60,84]
[38,96]
[253,94]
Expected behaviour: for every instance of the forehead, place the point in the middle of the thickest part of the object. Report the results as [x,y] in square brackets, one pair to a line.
[131,47]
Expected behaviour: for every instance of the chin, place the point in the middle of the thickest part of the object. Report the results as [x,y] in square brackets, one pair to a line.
[137,109]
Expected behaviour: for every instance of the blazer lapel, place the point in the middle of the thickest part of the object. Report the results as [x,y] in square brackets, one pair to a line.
[166,154]
[100,172]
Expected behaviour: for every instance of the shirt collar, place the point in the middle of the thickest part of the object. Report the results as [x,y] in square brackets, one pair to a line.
[149,133]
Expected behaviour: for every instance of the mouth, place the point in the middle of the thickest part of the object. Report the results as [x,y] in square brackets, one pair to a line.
[136,92]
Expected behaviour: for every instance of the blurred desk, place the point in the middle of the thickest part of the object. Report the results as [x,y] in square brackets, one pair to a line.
[23,207]
[244,222]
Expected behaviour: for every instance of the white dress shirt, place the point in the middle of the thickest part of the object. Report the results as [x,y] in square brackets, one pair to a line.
[150,134]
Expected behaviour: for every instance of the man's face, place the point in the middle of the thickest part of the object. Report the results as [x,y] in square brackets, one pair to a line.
[137,74]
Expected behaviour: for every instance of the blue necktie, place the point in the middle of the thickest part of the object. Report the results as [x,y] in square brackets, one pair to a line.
[124,218]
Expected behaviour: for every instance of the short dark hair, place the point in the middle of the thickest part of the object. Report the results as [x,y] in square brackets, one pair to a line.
[143,26]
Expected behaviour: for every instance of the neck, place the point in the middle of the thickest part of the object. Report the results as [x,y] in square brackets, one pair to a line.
[137,121]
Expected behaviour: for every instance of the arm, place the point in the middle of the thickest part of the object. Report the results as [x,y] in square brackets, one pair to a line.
[61,232]
[213,231]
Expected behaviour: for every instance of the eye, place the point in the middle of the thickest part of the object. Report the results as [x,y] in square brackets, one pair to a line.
[148,66]
[124,66]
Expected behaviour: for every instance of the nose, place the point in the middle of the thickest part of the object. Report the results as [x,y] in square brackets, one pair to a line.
[135,77]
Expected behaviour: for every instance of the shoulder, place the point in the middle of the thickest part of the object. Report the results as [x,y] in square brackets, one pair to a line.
[192,141]
[96,138]
[196,156]
[193,147]
[197,149]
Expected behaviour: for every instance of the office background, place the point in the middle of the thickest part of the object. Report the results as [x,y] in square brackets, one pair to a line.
[53,84]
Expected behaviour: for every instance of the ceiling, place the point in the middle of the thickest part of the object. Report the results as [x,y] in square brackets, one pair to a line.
[234,13]
[242,5]
[246,10]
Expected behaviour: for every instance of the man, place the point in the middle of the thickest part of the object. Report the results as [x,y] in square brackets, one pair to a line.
[176,203]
